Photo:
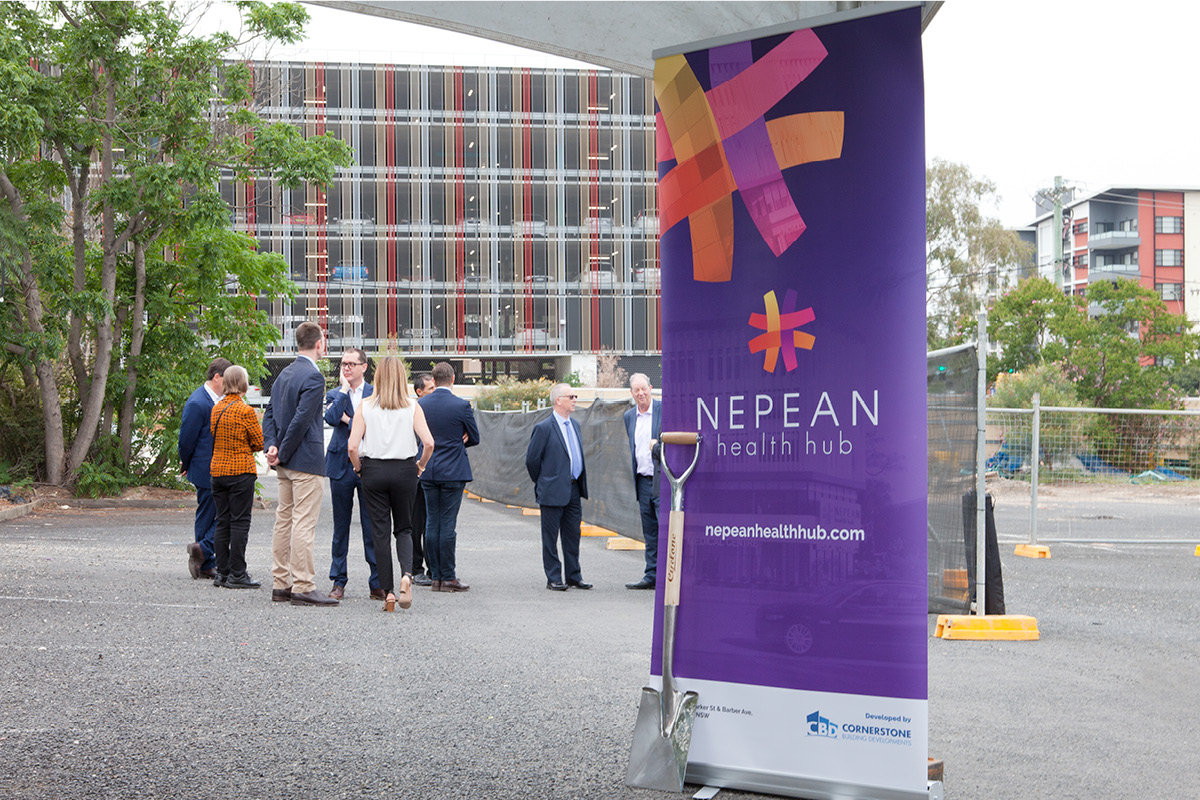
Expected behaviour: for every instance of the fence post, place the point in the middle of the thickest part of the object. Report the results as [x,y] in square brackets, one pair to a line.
[1036,458]
[981,469]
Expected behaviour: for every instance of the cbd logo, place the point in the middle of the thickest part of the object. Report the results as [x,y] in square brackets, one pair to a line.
[819,726]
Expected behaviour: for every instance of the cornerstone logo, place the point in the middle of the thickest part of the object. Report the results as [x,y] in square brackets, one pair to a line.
[781,334]
[819,726]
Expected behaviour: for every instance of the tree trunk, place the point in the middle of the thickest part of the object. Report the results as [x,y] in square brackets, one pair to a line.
[44,366]
[137,335]
[78,183]
[111,242]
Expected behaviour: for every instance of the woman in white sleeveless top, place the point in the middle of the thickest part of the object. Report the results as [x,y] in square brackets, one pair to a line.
[383,450]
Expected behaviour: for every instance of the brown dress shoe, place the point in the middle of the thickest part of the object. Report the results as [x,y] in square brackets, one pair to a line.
[378,594]
[337,592]
[312,599]
[436,586]
[281,595]
[454,586]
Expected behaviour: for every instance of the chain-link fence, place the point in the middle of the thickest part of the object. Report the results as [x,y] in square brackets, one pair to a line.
[1091,464]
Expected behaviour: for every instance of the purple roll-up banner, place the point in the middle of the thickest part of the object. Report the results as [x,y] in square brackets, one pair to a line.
[792,206]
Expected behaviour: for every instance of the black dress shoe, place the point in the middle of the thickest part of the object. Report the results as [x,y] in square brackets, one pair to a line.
[243,581]
[207,574]
[644,583]
[556,587]
[312,599]
[421,579]
[579,584]
[219,581]
[281,595]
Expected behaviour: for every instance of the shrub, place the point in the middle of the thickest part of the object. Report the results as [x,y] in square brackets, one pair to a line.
[510,394]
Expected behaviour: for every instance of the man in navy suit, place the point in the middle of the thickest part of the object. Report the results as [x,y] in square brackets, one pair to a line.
[555,463]
[294,438]
[422,385]
[340,405]
[195,456]
[452,423]
[643,424]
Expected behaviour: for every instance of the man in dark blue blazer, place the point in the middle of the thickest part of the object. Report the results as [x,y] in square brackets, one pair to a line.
[643,424]
[452,423]
[295,440]
[555,463]
[340,405]
[195,456]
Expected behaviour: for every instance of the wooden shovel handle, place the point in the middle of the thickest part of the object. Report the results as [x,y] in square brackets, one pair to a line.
[674,563]
[679,438]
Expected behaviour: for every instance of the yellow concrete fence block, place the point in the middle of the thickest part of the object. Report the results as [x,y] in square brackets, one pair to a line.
[624,543]
[588,529]
[1010,627]
[1033,550]
[531,512]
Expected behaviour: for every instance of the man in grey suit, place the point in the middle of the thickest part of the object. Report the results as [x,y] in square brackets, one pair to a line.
[555,463]
[643,424]
[294,437]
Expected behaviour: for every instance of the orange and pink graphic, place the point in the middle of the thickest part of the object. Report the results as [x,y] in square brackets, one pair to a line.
[781,334]
[722,143]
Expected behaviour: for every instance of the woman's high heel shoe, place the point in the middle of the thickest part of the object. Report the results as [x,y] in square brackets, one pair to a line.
[405,596]
[390,603]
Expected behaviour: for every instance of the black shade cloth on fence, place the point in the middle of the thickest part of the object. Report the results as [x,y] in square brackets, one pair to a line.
[952,389]
[993,591]
[498,463]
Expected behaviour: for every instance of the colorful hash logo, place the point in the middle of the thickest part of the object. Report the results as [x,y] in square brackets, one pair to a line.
[780,331]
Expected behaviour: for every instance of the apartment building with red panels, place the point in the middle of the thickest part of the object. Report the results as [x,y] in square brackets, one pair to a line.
[1128,233]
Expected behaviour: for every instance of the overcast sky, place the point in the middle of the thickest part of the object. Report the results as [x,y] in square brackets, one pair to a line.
[1101,92]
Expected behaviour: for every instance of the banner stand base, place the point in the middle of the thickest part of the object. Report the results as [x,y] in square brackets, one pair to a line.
[935,790]
[707,793]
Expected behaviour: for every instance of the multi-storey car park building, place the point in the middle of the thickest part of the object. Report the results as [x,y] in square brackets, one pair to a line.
[501,218]
[1128,233]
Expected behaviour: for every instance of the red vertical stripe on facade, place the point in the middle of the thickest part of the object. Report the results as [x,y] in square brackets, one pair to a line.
[527,200]
[460,210]
[388,215]
[322,218]
[594,201]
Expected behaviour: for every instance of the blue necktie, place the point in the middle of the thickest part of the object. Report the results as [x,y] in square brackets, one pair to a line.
[573,449]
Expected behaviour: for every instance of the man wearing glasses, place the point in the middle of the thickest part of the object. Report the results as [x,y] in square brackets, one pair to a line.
[555,463]
[340,405]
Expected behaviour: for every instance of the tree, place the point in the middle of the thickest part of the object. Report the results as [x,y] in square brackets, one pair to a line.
[1118,345]
[120,115]
[969,256]
[1025,320]
[1124,355]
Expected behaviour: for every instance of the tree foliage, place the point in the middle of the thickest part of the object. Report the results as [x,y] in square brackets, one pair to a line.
[118,128]
[969,255]
[1118,345]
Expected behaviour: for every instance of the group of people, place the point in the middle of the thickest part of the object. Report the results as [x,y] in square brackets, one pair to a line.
[403,456]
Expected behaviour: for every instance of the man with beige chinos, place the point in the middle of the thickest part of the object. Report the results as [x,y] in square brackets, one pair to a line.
[295,442]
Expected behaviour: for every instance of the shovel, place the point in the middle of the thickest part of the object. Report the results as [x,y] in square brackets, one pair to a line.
[663,733]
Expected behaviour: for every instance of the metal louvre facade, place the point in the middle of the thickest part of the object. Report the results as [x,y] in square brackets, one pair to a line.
[489,212]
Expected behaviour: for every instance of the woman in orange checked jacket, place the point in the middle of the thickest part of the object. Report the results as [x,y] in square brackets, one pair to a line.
[237,436]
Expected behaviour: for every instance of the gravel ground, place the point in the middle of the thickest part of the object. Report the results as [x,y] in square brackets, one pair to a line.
[123,678]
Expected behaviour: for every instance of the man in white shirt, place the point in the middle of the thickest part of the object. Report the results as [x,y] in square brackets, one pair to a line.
[643,424]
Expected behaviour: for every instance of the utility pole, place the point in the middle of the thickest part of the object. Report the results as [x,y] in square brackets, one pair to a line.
[1058,222]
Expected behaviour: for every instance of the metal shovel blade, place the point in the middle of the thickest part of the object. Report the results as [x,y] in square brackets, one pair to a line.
[659,755]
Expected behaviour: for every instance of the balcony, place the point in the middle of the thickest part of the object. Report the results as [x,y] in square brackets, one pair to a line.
[1112,272]
[1114,240]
